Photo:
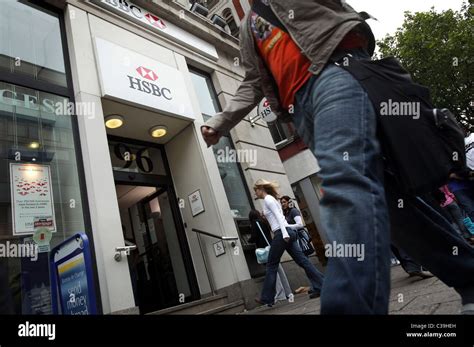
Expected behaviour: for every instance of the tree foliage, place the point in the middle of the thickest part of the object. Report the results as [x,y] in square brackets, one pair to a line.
[438,50]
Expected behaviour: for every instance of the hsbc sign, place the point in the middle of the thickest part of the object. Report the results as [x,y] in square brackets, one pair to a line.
[126,8]
[146,86]
[139,80]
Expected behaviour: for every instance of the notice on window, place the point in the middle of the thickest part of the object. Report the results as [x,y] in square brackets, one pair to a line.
[32,197]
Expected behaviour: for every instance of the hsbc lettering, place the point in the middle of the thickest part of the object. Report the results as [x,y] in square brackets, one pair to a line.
[126,7]
[148,87]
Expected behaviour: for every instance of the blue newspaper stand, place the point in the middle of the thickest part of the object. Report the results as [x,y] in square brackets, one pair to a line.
[72,280]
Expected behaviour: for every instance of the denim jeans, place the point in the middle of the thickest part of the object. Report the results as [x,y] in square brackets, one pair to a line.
[465,198]
[337,121]
[278,246]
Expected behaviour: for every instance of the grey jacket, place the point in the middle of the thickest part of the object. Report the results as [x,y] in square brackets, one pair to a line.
[316,26]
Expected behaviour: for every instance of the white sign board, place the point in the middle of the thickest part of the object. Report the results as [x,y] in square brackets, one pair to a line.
[195,201]
[150,20]
[138,79]
[32,196]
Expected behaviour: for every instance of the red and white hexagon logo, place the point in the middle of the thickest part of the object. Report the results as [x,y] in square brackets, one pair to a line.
[266,103]
[155,21]
[147,73]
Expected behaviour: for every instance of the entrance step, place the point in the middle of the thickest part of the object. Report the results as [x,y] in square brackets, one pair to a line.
[216,304]
[232,308]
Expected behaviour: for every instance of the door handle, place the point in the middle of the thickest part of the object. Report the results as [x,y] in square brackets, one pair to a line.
[123,249]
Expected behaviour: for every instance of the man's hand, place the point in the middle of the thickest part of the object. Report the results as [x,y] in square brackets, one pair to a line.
[210,135]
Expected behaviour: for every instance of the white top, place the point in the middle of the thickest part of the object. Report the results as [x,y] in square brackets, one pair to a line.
[469,141]
[274,214]
[298,223]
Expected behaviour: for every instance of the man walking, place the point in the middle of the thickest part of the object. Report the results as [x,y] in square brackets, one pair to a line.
[286,49]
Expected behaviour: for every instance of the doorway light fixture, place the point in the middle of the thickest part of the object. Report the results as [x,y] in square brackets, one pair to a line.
[158,131]
[114,121]
[34,145]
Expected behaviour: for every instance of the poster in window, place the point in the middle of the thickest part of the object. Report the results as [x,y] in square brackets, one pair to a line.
[32,197]
[195,201]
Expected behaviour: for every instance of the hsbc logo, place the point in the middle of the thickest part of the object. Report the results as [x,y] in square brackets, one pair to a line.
[148,87]
[137,12]
[147,73]
[155,21]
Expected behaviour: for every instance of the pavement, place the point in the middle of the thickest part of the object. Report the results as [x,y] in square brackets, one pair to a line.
[409,295]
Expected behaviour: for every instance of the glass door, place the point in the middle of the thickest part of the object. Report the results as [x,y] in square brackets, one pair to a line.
[157,266]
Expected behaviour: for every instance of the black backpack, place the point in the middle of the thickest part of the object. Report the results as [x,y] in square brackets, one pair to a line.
[420,148]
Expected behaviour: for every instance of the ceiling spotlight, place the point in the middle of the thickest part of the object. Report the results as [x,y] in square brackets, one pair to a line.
[114,121]
[158,131]
[34,145]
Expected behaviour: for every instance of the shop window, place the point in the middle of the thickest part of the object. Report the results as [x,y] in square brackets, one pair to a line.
[30,43]
[39,173]
[230,172]
[38,180]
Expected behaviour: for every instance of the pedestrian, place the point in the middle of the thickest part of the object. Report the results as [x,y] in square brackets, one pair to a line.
[284,239]
[293,217]
[411,267]
[462,187]
[292,214]
[447,201]
[261,236]
[289,60]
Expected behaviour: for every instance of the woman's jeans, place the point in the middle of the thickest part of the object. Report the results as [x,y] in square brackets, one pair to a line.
[278,246]
[282,287]
[337,121]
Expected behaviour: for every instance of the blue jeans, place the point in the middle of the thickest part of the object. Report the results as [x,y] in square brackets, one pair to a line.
[278,246]
[465,198]
[336,119]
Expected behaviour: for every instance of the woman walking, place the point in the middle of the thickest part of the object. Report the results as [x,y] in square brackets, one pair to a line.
[261,236]
[284,239]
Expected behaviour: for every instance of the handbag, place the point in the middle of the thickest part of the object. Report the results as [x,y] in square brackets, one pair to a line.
[304,240]
[262,253]
[419,151]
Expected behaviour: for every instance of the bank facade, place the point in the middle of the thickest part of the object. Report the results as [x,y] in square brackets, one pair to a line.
[101,104]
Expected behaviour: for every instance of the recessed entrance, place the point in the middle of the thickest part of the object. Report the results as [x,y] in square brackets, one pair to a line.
[161,268]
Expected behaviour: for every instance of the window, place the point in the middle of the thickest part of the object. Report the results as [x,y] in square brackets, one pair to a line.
[39,173]
[230,20]
[206,95]
[230,172]
[210,4]
[30,43]
[282,133]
